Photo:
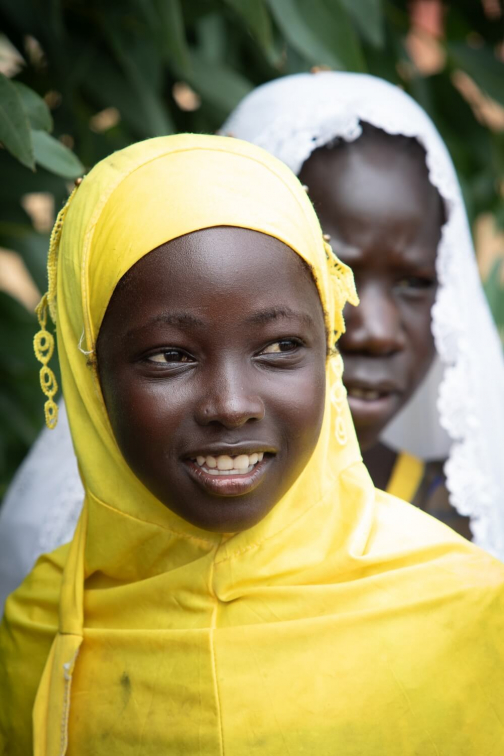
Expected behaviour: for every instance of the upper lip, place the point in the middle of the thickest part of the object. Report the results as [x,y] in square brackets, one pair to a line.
[232,450]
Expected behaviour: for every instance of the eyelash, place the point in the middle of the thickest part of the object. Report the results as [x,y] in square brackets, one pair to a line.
[295,342]
[186,359]
[421,283]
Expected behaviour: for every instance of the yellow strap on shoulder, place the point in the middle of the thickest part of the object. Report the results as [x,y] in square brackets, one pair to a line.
[406,477]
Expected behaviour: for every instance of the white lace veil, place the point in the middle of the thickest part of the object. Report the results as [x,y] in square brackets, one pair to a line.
[457,413]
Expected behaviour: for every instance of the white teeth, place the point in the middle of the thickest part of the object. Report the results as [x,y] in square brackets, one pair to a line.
[241,462]
[224,462]
[367,395]
[226,465]
[234,471]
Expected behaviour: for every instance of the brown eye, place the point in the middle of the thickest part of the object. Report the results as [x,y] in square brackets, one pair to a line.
[416,283]
[170,356]
[279,347]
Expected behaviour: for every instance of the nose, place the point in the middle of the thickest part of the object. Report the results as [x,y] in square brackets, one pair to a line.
[375,326]
[229,399]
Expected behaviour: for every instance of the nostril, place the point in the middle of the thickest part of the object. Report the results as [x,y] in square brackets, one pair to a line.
[229,413]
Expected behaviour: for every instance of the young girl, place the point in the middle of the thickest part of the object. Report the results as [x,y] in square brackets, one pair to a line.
[375,187]
[236,584]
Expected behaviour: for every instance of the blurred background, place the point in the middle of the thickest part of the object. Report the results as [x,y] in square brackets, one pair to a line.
[82,78]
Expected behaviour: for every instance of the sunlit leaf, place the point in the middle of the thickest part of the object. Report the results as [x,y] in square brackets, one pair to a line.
[36,109]
[54,156]
[482,66]
[31,245]
[14,125]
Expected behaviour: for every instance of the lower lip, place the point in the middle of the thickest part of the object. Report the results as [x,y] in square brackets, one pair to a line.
[373,410]
[229,485]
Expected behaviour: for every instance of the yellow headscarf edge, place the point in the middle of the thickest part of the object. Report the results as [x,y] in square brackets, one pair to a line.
[340,276]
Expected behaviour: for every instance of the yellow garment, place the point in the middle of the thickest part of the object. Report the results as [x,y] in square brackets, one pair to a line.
[406,477]
[346,622]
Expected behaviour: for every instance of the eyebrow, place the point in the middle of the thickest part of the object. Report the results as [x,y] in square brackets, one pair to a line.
[186,320]
[177,319]
[263,317]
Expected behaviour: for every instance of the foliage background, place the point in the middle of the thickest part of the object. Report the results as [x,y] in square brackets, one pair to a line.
[86,77]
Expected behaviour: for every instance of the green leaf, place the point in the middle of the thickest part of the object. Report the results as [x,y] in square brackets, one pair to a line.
[211,37]
[36,109]
[17,181]
[172,32]
[149,103]
[368,17]
[482,66]
[32,247]
[20,402]
[12,213]
[494,290]
[221,86]
[106,84]
[54,156]
[257,19]
[14,125]
[13,417]
[321,31]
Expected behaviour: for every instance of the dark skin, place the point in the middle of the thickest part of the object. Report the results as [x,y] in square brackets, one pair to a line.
[214,345]
[374,198]
[384,217]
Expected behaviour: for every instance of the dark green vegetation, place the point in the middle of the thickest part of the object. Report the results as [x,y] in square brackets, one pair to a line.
[98,75]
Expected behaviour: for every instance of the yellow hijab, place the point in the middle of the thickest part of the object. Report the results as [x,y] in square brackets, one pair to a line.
[344,622]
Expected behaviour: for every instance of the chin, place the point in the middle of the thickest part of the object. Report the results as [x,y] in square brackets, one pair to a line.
[225,516]
[368,437]
[370,425]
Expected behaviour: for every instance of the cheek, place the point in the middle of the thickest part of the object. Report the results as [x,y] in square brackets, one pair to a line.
[144,414]
[418,319]
[298,405]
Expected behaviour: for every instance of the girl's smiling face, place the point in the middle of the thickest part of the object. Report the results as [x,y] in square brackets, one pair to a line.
[211,358]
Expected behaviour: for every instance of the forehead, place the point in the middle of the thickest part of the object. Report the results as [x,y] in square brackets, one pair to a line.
[216,274]
[376,194]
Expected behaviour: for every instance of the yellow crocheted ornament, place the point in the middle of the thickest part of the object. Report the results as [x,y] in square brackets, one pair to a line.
[343,288]
[43,342]
[344,291]
[43,345]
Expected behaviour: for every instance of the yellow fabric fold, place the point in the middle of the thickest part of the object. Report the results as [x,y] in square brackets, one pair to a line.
[344,622]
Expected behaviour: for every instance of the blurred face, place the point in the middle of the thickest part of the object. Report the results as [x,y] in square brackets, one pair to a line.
[384,217]
[212,363]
